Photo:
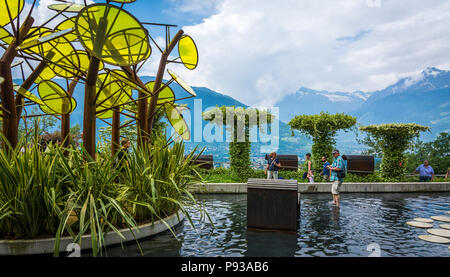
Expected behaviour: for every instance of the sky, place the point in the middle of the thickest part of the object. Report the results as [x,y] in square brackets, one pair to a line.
[258,51]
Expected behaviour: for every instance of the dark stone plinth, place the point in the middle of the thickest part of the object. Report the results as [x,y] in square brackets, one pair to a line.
[272,204]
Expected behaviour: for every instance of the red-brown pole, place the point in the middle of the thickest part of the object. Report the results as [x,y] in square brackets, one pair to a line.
[142,107]
[10,125]
[26,86]
[65,118]
[115,131]
[89,118]
[158,82]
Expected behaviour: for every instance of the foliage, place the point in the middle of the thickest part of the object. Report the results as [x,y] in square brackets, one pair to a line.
[322,128]
[94,198]
[239,126]
[30,187]
[393,140]
[27,126]
[46,194]
[155,182]
[436,152]
[129,130]
[222,175]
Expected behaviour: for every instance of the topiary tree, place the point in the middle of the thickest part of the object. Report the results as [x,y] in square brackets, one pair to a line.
[393,140]
[322,128]
[239,122]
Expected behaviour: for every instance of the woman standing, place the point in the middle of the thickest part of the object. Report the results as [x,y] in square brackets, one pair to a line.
[309,167]
[273,164]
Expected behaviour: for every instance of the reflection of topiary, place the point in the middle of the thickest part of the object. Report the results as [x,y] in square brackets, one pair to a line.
[322,128]
[239,149]
[393,140]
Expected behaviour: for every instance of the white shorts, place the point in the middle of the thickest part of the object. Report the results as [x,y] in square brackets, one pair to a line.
[272,174]
[336,187]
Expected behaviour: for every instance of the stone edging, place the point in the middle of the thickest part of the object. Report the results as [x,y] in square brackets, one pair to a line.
[46,246]
[241,188]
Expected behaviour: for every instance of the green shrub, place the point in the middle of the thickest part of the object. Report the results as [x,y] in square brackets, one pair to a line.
[30,188]
[322,128]
[55,194]
[393,140]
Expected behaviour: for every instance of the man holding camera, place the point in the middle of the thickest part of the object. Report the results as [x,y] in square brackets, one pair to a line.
[337,169]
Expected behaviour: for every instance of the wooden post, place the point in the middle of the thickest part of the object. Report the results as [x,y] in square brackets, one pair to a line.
[10,119]
[158,81]
[65,118]
[26,86]
[142,138]
[89,117]
[115,131]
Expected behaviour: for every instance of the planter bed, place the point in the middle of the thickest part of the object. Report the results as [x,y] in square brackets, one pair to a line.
[46,246]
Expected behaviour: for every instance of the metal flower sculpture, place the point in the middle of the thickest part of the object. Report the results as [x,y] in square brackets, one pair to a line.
[101,46]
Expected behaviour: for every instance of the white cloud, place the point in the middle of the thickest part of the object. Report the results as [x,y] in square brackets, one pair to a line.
[257,51]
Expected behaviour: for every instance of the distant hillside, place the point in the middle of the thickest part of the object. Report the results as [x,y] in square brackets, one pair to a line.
[422,99]
[298,144]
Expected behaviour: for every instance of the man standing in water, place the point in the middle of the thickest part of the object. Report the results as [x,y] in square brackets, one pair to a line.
[337,175]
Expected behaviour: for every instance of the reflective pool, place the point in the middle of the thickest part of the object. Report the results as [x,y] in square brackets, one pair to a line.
[324,230]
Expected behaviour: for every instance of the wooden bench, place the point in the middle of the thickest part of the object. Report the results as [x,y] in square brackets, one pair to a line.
[205,161]
[360,164]
[273,204]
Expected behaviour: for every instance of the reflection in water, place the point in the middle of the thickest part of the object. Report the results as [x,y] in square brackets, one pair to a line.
[324,230]
[271,244]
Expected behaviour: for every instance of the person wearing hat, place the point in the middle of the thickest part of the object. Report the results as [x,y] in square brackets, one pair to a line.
[337,169]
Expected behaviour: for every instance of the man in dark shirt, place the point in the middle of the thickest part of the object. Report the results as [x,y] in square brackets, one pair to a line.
[273,164]
[122,156]
[325,171]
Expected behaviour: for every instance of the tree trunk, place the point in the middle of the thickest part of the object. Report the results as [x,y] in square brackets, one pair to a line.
[89,117]
[142,138]
[10,120]
[65,118]
[115,131]
[158,82]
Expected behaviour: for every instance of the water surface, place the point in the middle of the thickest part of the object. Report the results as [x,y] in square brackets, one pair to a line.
[324,230]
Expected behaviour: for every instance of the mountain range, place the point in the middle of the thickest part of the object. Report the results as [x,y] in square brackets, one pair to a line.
[423,98]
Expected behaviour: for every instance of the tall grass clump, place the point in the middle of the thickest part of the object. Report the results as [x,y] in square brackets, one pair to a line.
[93,200]
[30,189]
[60,192]
[155,184]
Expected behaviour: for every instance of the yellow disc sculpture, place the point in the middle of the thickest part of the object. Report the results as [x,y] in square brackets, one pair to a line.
[112,35]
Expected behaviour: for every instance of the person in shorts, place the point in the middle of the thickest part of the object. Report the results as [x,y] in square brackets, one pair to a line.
[273,164]
[337,166]
[309,168]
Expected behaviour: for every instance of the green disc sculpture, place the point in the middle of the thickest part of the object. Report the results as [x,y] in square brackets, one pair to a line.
[55,98]
[10,10]
[177,121]
[181,82]
[112,35]
[166,94]
[188,52]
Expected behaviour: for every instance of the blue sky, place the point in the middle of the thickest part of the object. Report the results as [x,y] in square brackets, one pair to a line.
[258,51]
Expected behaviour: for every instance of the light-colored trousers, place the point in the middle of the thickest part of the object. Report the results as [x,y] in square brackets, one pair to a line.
[272,174]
